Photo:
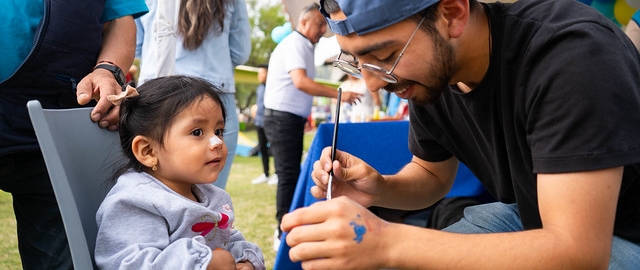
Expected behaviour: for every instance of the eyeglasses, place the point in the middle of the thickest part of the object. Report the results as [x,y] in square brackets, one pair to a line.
[352,68]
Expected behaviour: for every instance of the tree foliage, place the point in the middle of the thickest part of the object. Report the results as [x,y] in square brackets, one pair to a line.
[262,19]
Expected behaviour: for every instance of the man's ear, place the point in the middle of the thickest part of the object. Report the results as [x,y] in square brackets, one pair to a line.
[144,151]
[456,14]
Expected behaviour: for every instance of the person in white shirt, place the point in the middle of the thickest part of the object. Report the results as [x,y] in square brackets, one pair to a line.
[288,99]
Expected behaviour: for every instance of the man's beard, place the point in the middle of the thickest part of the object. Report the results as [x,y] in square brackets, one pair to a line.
[441,70]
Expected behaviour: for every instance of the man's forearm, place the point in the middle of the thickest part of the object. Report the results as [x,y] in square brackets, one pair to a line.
[119,42]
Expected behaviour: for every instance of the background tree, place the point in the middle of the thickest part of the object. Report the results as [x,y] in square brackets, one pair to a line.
[263,17]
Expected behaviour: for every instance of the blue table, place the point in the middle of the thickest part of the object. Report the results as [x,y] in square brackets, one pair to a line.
[381,144]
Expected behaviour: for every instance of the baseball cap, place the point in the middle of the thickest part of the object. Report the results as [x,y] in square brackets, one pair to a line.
[366,16]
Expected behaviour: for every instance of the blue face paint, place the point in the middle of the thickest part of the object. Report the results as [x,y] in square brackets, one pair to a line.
[358,229]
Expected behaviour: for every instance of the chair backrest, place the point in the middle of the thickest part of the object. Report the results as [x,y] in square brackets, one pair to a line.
[80,158]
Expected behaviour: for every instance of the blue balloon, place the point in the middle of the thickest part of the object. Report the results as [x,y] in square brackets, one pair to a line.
[277,34]
[586,2]
[280,32]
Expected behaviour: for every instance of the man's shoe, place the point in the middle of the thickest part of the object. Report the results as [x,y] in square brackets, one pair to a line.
[261,179]
[276,241]
[273,180]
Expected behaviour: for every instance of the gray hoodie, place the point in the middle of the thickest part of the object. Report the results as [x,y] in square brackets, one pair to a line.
[143,224]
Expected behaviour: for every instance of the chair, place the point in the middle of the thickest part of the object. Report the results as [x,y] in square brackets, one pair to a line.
[79,157]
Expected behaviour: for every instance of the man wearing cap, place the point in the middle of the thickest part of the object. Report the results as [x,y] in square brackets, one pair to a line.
[540,99]
[288,98]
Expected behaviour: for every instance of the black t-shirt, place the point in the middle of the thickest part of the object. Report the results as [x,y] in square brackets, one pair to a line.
[562,94]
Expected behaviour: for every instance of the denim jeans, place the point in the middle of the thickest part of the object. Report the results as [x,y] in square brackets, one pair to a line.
[230,137]
[41,236]
[500,217]
[285,133]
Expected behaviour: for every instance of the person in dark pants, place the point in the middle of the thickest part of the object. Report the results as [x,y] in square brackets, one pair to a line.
[64,54]
[263,143]
[288,99]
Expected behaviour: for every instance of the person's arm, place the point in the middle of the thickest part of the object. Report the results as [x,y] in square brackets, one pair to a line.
[139,37]
[118,47]
[633,32]
[577,211]
[245,252]
[418,185]
[311,87]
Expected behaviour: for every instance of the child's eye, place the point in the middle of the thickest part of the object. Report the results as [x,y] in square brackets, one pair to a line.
[219,132]
[197,132]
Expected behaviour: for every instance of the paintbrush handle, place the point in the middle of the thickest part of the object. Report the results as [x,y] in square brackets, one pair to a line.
[334,143]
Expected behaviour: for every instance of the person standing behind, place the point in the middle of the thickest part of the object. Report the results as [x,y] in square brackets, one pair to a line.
[288,99]
[214,38]
[363,110]
[263,143]
[64,54]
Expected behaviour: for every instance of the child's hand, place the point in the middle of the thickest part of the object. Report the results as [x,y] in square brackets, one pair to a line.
[221,260]
[245,265]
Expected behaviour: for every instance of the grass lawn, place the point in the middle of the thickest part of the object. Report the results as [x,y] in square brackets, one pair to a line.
[9,257]
[254,208]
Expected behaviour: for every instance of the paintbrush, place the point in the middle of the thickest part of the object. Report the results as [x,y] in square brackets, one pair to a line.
[334,144]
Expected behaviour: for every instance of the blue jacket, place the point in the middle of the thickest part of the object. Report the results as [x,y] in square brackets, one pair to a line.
[214,60]
[64,51]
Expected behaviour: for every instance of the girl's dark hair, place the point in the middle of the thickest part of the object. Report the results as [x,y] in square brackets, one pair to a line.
[151,113]
[197,17]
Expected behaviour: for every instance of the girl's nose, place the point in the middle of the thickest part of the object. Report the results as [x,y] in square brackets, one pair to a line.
[215,142]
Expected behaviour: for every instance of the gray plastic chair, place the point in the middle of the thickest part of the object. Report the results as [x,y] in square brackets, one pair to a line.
[80,158]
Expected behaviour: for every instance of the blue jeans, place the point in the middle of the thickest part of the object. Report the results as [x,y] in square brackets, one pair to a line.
[41,236]
[285,133]
[500,217]
[231,130]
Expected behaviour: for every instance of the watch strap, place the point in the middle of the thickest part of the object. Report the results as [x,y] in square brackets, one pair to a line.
[114,69]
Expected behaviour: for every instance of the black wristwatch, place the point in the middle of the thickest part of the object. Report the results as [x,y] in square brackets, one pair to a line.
[117,72]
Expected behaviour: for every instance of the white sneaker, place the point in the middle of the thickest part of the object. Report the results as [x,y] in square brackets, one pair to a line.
[276,241]
[273,180]
[261,179]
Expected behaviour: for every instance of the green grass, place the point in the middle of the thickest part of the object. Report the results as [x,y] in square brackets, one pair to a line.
[254,208]
[9,257]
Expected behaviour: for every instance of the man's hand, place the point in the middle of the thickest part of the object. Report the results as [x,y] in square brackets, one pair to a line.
[336,234]
[350,97]
[98,85]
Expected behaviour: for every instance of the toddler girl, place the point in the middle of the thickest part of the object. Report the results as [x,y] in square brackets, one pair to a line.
[163,212]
